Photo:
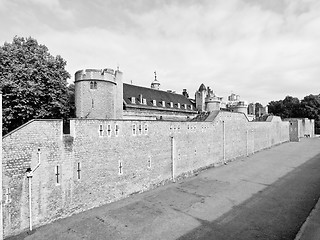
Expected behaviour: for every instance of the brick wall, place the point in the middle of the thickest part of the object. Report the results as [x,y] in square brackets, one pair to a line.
[98,164]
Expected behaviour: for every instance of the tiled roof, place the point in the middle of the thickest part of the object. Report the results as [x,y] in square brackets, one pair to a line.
[150,95]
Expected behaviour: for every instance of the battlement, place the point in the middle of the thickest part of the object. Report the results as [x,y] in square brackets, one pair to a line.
[106,74]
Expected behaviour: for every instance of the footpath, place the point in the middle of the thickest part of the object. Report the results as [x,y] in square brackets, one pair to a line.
[311,228]
[268,195]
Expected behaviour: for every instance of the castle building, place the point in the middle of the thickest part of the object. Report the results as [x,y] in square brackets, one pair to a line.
[234,104]
[100,94]
[256,111]
[207,100]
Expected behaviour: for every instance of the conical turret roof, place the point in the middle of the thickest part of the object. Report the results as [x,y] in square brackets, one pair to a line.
[202,88]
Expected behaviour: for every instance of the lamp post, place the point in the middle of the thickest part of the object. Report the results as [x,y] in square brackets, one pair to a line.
[29,176]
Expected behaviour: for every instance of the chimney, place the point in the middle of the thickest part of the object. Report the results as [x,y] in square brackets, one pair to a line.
[185,93]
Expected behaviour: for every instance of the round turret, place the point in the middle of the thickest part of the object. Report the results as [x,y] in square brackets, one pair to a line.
[212,104]
[98,93]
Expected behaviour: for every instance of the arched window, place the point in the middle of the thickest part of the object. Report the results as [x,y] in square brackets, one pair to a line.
[93,85]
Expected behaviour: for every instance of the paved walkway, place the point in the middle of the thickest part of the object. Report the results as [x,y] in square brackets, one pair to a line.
[267,195]
[311,228]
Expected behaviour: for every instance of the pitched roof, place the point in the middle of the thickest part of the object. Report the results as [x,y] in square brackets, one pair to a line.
[149,94]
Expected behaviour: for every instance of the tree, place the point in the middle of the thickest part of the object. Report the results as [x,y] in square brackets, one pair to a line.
[286,108]
[33,82]
[291,107]
[71,99]
[311,109]
[276,108]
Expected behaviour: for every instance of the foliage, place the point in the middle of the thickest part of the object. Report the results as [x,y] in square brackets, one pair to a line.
[33,82]
[71,101]
[291,107]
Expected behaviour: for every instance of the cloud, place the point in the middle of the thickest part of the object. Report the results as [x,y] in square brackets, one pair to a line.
[262,50]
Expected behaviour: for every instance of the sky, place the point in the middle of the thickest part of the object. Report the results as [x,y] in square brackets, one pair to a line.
[262,50]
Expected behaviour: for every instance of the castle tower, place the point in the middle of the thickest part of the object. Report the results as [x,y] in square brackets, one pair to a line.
[155,84]
[98,93]
[241,107]
[212,102]
[200,98]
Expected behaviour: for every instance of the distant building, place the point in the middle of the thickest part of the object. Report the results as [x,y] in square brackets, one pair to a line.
[207,100]
[256,110]
[234,104]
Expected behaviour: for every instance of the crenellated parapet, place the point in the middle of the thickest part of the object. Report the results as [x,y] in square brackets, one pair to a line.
[106,74]
[98,93]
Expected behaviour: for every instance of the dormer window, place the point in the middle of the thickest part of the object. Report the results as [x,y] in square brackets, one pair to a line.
[178,105]
[163,104]
[93,85]
[154,102]
[171,104]
[133,100]
[145,101]
[185,106]
[191,107]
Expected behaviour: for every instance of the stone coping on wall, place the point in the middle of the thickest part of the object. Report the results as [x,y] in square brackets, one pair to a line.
[27,123]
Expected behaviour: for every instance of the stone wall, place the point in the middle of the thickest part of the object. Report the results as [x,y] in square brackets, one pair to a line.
[300,127]
[21,149]
[102,161]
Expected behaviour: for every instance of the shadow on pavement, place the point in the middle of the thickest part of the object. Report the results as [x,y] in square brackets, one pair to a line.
[277,212]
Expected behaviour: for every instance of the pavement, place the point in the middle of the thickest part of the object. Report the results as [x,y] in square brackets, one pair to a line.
[311,228]
[269,195]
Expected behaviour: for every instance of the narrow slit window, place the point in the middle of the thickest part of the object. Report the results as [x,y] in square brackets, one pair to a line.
[95,85]
[92,103]
[57,173]
[149,162]
[78,170]
[8,195]
[140,129]
[100,130]
[116,130]
[146,129]
[134,130]
[120,168]
[109,130]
